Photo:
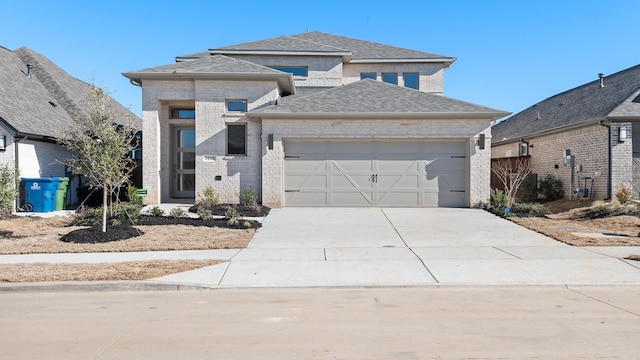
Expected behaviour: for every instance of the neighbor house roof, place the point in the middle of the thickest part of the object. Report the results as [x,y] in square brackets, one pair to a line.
[374,99]
[219,67]
[618,99]
[322,44]
[44,100]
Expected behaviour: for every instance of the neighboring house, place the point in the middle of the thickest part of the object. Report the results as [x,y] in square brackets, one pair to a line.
[312,119]
[596,125]
[38,100]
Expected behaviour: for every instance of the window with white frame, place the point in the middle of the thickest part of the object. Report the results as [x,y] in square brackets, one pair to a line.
[390,78]
[236,105]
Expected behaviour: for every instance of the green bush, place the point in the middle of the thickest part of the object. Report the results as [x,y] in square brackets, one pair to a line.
[132,194]
[155,211]
[177,212]
[529,209]
[128,210]
[528,191]
[499,199]
[9,188]
[232,216]
[249,196]
[204,213]
[551,188]
[209,197]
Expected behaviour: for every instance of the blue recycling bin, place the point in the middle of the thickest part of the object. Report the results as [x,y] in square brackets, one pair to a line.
[41,193]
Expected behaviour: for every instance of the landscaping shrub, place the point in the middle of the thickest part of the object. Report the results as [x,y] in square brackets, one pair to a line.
[209,197]
[177,212]
[529,209]
[551,188]
[623,194]
[204,213]
[249,196]
[155,211]
[9,190]
[499,199]
[527,191]
[232,216]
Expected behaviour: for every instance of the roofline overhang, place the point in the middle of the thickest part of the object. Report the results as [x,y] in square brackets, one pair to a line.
[547,132]
[284,80]
[345,55]
[447,61]
[4,123]
[489,116]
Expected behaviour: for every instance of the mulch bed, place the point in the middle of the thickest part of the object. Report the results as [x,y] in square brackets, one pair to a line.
[123,230]
[247,211]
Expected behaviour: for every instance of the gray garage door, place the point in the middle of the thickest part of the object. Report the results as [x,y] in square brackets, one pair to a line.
[375,173]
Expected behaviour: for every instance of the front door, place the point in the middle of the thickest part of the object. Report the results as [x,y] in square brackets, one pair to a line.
[184,162]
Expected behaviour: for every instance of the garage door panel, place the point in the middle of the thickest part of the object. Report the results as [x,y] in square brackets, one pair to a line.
[398,165]
[362,198]
[296,182]
[341,182]
[307,165]
[307,198]
[400,181]
[397,198]
[296,148]
[376,173]
[444,198]
[351,165]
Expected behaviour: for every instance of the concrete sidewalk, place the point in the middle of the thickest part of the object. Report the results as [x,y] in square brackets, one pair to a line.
[326,247]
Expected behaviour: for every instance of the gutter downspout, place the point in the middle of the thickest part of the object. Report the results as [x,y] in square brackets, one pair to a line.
[609,170]
[16,165]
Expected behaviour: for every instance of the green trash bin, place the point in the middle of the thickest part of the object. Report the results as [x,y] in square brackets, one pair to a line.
[61,193]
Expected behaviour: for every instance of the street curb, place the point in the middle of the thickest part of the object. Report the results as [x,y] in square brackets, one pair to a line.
[124,286]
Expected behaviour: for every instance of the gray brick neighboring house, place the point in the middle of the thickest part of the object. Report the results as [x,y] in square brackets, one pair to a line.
[598,122]
[302,120]
[37,101]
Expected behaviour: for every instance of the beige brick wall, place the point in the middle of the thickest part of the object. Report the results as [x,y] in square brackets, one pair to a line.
[464,130]
[431,75]
[208,98]
[322,71]
[588,144]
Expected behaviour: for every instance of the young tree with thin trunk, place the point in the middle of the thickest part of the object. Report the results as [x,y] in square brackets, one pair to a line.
[512,172]
[101,146]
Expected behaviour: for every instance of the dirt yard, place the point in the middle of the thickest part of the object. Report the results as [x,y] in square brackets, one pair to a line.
[567,223]
[32,235]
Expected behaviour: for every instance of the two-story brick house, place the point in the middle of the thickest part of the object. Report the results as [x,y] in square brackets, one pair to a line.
[312,119]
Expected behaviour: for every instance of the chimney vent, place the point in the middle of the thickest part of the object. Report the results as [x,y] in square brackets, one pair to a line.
[29,67]
[601,77]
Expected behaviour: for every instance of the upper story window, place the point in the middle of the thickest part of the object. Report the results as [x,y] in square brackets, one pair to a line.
[236,139]
[411,80]
[183,113]
[236,105]
[391,78]
[368,76]
[295,70]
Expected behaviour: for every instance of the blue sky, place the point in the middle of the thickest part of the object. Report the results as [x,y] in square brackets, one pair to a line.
[510,54]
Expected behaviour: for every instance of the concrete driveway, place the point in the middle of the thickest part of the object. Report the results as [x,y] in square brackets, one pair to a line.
[405,247]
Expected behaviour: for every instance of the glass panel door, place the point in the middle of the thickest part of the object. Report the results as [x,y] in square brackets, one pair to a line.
[184,162]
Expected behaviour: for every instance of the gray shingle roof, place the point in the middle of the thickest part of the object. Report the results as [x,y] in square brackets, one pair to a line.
[375,97]
[362,49]
[589,102]
[211,64]
[282,43]
[216,66]
[46,102]
[320,42]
